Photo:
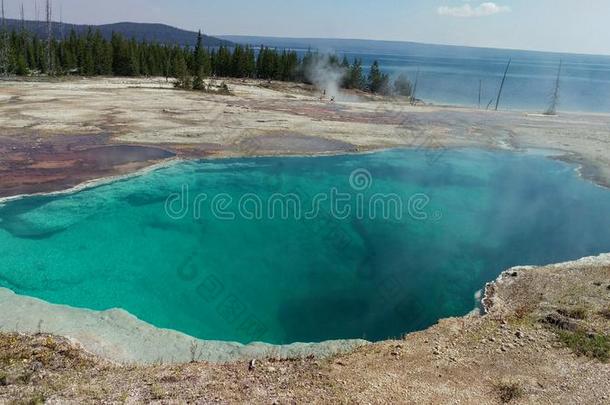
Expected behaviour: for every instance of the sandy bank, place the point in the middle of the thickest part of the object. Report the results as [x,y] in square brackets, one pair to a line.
[46,128]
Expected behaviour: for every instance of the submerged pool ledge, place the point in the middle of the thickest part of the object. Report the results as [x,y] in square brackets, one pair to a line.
[121,337]
[97,182]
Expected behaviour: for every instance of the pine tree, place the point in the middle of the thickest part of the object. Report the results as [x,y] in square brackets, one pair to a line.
[250,62]
[120,55]
[181,73]
[21,67]
[355,78]
[134,58]
[378,82]
[199,64]
[259,62]
[345,63]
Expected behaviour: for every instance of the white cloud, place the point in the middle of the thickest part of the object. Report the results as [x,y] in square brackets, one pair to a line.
[482,10]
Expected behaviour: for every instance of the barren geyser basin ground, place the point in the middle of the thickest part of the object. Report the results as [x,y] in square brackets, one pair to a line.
[155,226]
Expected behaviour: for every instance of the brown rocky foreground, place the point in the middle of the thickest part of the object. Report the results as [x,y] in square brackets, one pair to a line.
[545,338]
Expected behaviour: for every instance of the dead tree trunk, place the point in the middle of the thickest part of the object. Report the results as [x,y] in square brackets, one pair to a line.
[502,84]
[49,53]
[552,110]
[413,93]
[36,17]
[22,15]
[4,56]
[61,22]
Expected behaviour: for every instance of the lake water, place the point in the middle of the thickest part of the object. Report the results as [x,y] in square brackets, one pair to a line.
[452,74]
[382,244]
[584,84]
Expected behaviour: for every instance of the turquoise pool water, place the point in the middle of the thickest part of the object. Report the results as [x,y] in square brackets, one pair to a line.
[382,244]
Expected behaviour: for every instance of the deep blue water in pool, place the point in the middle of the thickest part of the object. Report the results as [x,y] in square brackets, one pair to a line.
[302,249]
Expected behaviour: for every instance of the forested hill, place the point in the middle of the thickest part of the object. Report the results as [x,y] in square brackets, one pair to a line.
[140,31]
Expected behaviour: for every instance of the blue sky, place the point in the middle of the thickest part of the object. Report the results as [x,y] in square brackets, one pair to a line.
[553,25]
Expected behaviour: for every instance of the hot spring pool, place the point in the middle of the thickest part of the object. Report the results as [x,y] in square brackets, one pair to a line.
[282,250]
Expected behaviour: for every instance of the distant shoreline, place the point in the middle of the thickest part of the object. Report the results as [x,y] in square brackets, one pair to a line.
[355,42]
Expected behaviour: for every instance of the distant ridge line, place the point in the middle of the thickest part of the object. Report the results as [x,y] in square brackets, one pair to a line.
[156,32]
